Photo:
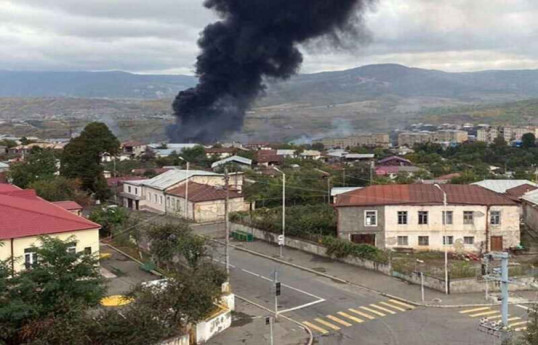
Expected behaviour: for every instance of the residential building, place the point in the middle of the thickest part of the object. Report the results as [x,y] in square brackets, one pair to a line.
[203,203]
[394,161]
[310,154]
[410,139]
[368,140]
[150,194]
[24,217]
[220,152]
[70,206]
[268,158]
[287,153]
[236,161]
[411,216]
[4,167]
[392,171]
[336,191]
[487,134]
[133,149]
[450,136]
[530,209]
[502,186]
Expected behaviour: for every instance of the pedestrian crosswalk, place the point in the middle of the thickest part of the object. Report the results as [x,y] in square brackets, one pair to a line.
[357,315]
[515,323]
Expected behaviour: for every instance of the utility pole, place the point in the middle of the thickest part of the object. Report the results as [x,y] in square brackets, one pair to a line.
[226,223]
[371,172]
[422,285]
[445,237]
[187,193]
[282,240]
[277,292]
[269,321]
[329,190]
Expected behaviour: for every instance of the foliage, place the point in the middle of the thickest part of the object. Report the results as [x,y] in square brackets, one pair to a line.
[111,219]
[340,248]
[196,156]
[58,188]
[528,140]
[307,221]
[38,165]
[60,283]
[81,157]
[123,168]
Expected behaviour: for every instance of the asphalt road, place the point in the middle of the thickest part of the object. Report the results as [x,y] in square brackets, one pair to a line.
[344,314]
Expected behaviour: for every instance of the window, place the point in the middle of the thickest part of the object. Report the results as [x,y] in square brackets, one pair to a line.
[30,257]
[136,191]
[423,217]
[370,218]
[161,200]
[468,217]
[88,250]
[72,249]
[155,198]
[423,241]
[448,217]
[403,241]
[402,217]
[495,217]
[129,189]
[168,201]
[448,240]
[468,240]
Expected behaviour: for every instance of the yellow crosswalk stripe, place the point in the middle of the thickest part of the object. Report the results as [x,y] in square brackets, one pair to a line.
[361,314]
[517,324]
[392,306]
[514,318]
[520,329]
[408,306]
[340,321]
[494,317]
[484,313]
[384,309]
[325,323]
[315,328]
[353,318]
[373,311]
[474,310]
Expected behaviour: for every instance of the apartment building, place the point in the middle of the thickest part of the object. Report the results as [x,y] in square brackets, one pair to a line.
[410,139]
[369,140]
[414,217]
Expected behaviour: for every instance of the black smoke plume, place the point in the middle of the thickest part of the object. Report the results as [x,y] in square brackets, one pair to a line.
[254,40]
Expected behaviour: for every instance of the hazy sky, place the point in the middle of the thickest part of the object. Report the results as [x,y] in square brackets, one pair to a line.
[159,36]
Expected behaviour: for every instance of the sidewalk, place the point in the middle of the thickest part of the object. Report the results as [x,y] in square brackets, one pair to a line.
[376,281]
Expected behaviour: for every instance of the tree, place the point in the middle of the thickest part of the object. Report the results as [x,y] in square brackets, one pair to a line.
[196,155]
[499,142]
[39,164]
[59,188]
[81,157]
[60,283]
[111,219]
[528,140]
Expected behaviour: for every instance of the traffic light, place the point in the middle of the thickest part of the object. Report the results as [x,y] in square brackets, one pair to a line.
[277,288]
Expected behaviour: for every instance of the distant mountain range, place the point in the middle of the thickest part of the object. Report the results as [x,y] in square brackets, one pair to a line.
[358,84]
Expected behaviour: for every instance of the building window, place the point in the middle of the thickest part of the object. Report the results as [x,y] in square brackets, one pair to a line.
[136,191]
[161,199]
[402,217]
[448,240]
[468,240]
[72,249]
[155,198]
[468,217]
[403,241]
[423,217]
[495,217]
[30,257]
[423,241]
[448,218]
[88,250]
[129,189]
[168,201]
[370,218]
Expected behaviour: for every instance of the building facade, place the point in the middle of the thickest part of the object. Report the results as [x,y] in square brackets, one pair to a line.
[369,140]
[411,217]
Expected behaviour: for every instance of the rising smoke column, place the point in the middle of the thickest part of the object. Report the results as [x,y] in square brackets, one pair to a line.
[255,39]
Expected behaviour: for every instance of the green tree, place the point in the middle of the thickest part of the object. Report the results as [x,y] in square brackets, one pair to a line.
[58,188]
[528,140]
[81,158]
[111,219]
[499,142]
[59,283]
[38,165]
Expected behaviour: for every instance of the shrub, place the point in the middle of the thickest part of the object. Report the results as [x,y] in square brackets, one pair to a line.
[340,248]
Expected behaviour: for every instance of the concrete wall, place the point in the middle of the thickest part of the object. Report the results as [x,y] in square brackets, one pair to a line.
[478,285]
[180,340]
[530,215]
[208,211]
[84,238]
[212,326]
[351,220]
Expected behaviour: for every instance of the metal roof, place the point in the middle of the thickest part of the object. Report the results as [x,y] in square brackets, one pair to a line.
[531,197]
[501,186]
[238,159]
[172,177]
[285,152]
[341,190]
[421,194]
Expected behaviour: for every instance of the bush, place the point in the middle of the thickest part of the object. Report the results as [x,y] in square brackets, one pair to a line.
[340,248]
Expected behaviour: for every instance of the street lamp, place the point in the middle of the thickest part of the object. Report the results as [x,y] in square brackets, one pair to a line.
[283,209]
[445,238]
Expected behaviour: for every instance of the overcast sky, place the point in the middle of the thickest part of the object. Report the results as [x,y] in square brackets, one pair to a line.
[159,36]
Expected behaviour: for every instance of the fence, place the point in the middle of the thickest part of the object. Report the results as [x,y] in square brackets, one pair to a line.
[454,285]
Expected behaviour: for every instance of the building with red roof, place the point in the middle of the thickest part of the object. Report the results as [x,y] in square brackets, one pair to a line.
[414,217]
[24,217]
[202,202]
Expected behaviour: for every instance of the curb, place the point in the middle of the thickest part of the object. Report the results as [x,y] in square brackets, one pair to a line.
[340,280]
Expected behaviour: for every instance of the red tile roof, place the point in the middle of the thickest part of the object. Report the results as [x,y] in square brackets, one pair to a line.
[517,192]
[397,160]
[421,194]
[5,187]
[23,214]
[115,181]
[202,192]
[68,205]
[268,156]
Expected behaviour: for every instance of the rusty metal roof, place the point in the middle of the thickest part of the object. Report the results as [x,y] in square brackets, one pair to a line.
[421,194]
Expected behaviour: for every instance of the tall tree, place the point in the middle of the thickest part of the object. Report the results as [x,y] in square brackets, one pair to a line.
[528,140]
[81,157]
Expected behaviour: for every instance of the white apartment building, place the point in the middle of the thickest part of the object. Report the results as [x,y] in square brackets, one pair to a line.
[414,217]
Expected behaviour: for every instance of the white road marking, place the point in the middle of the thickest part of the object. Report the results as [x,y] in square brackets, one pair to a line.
[301,306]
[223,263]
